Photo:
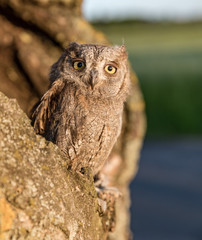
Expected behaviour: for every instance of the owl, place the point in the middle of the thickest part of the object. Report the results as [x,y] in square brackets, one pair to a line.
[82,110]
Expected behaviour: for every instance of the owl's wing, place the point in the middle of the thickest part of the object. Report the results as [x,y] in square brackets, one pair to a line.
[42,111]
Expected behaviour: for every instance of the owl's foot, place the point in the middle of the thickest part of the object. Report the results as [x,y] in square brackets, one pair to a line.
[108,192]
[106,199]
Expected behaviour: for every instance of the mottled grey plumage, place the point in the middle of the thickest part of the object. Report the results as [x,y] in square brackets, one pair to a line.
[82,110]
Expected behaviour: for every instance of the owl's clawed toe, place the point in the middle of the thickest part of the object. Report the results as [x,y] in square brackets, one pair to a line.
[106,193]
[107,197]
[103,205]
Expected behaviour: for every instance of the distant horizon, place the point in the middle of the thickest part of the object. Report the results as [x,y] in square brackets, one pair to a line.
[144,20]
[111,10]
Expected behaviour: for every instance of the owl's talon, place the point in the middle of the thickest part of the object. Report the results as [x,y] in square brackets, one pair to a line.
[102,204]
[108,192]
[106,200]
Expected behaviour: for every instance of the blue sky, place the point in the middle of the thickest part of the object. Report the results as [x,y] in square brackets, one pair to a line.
[144,9]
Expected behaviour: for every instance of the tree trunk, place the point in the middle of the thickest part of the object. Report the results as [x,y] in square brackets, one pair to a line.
[33,34]
[39,198]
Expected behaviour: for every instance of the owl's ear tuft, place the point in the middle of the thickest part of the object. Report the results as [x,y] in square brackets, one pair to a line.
[122,50]
[73,50]
[72,46]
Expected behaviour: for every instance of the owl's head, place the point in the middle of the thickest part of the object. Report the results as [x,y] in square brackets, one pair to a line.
[97,70]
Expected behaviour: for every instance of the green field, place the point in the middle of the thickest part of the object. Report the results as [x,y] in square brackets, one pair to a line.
[167,58]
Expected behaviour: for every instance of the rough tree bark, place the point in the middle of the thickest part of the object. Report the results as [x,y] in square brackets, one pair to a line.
[33,34]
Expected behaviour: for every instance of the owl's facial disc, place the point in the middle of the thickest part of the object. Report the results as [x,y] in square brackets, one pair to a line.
[98,70]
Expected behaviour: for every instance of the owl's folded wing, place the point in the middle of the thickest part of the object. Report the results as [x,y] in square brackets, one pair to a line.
[41,112]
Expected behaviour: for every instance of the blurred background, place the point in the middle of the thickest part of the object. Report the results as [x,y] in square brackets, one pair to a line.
[164,41]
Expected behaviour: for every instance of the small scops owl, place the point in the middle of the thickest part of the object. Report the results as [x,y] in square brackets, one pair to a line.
[82,110]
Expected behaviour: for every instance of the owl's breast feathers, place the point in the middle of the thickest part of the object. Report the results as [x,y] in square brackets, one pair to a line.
[87,129]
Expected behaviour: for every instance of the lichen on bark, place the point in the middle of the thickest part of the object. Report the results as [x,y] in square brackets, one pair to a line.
[39,197]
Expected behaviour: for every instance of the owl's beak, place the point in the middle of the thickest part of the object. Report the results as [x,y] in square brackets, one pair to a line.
[93,78]
[92,83]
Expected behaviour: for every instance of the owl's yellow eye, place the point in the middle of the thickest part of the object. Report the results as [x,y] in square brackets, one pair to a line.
[78,65]
[110,69]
